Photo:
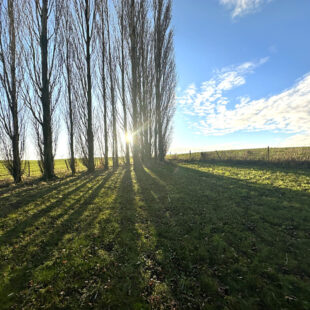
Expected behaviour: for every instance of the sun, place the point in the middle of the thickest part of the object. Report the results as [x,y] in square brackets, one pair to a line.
[129,137]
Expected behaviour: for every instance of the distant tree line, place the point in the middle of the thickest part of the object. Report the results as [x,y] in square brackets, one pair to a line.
[106,67]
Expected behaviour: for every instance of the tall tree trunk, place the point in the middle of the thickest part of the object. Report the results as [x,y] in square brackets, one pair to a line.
[17,173]
[115,143]
[105,107]
[162,19]
[156,136]
[71,121]
[48,162]
[127,155]
[90,135]
[134,80]
[144,113]
[112,93]
[106,139]
[160,145]
[105,121]
[150,134]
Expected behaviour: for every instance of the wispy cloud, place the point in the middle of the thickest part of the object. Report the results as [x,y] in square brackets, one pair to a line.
[243,7]
[288,111]
[210,97]
[297,140]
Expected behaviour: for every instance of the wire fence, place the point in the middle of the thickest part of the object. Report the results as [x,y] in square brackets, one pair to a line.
[268,154]
[32,169]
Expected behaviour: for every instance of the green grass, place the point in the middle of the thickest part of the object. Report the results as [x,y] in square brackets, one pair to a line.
[288,154]
[294,156]
[33,172]
[163,236]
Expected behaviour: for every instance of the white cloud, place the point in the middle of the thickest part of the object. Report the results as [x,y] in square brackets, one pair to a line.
[287,112]
[210,98]
[243,7]
[297,140]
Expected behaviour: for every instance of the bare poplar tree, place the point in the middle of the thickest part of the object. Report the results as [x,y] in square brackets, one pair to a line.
[168,96]
[41,59]
[85,17]
[102,56]
[68,57]
[124,51]
[113,77]
[163,47]
[146,80]
[167,88]
[132,17]
[11,79]
[122,61]
[150,99]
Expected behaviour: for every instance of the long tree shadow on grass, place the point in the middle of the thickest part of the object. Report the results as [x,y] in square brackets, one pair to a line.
[228,242]
[300,168]
[26,221]
[126,282]
[77,271]
[19,197]
[103,261]
[34,255]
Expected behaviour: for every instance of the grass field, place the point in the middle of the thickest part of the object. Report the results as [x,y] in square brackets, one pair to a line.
[295,156]
[32,170]
[274,155]
[163,236]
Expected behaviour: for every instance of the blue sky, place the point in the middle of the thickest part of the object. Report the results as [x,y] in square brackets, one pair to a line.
[243,74]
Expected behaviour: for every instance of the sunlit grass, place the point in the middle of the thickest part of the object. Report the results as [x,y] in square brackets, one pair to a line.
[61,166]
[297,179]
[283,154]
[158,237]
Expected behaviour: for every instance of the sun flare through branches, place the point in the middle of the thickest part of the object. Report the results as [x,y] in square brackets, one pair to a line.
[129,137]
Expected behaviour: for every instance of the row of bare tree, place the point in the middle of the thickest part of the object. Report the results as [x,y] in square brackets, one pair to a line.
[104,66]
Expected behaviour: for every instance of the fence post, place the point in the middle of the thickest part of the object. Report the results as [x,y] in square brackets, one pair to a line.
[218,155]
[268,153]
[28,168]
[190,154]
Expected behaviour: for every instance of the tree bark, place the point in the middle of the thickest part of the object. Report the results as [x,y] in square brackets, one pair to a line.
[112,94]
[90,135]
[127,155]
[134,79]
[17,173]
[105,107]
[71,121]
[45,98]
[162,19]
